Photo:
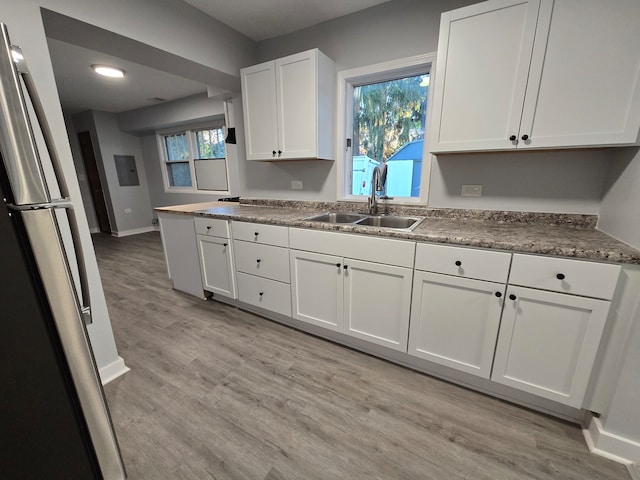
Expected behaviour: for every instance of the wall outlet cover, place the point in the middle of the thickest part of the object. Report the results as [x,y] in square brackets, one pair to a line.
[128,210]
[296,185]
[471,190]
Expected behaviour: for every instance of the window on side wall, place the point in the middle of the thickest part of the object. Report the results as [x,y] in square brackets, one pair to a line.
[194,160]
[386,109]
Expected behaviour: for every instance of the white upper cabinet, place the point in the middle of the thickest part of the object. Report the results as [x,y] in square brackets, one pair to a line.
[259,104]
[289,106]
[484,54]
[517,74]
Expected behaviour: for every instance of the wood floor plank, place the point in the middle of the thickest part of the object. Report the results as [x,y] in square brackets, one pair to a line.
[219,393]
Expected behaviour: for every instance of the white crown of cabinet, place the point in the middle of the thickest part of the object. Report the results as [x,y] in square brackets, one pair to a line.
[518,74]
[289,108]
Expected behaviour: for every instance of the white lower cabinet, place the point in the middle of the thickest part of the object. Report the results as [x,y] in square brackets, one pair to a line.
[362,299]
[316,289]
[216,262]
[376,302]
[548,342]
[455,321]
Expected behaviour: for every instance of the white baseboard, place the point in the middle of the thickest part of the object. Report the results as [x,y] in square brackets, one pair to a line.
[113,370]
[612,446]
[135,231]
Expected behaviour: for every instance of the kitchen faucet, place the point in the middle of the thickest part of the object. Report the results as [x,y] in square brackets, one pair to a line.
[377,184]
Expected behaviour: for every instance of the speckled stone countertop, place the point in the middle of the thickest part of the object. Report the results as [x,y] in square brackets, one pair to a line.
[525,232]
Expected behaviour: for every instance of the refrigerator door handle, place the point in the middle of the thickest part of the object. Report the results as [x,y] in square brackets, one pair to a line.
[38,109]
[85,308]
[85,297]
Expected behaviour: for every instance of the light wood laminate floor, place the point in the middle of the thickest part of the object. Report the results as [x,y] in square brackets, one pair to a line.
[215,392]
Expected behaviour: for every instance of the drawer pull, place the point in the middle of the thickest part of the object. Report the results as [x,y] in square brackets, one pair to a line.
[258,260]
[525,137]
[560,276]
[498,294]
[458,263]
[512,297]
[256,233]
[513,138]
[208,227]
[338,265]
[225,244]
[261,293]
[345,267]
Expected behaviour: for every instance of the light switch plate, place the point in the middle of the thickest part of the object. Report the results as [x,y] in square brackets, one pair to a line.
[471,190]
[296,184]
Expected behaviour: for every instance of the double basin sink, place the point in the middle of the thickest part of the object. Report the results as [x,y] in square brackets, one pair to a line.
[381,221]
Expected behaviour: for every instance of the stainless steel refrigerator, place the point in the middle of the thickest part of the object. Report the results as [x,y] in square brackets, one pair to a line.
[54,420]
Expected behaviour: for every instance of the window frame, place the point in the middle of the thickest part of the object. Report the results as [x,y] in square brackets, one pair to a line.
[190,130]
[379,72]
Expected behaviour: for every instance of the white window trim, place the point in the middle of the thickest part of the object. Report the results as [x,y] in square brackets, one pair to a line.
[189,129]
[370,74]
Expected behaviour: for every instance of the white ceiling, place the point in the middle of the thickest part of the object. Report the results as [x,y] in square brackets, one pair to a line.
[262,19]
[80,88]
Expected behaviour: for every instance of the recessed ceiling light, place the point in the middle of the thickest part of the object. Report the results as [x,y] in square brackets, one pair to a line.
[108,71]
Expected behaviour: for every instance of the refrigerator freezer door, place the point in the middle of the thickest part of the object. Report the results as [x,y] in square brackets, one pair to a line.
[19,152]
[48,250]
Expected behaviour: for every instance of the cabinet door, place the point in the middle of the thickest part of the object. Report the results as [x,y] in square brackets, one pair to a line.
[548,342]
[181,252]
[376,302]
[584,85]
[484,53]
[316,289]
[216,265]
[296,80]
[259,107]
[454,321]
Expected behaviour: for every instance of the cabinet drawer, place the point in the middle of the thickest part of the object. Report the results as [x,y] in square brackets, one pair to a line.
[463,262]
[577,277]
[262,260]
[259,233]
[264,293]
[212,227]
[361,247]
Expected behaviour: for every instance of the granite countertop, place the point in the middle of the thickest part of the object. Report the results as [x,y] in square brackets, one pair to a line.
[571,236]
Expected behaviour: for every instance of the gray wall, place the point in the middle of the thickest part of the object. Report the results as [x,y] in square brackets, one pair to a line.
[111,141]
[197,108]
[108,141]
[555,181]
[389,31]
[619,214]
[569,181]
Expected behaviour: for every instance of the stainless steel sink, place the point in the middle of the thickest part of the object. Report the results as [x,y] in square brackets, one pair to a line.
[390,221]
[331,217]
[381,221]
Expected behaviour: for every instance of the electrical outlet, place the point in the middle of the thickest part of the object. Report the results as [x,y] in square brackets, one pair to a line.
[296,184]
[127,210]
[471,191]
